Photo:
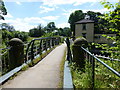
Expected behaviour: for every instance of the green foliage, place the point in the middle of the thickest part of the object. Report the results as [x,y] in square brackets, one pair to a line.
[50,27]
[64,32]
[104,78]
[74,17]
[112,19]
[49,31]
[8,32]
[95,16]
[81,79]
[36,32]
[3,10]
[7,35]
[25,67]
[48,35]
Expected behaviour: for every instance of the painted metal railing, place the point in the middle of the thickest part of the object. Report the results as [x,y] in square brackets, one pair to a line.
[37,46]
[4,56]
[97,69]
[95,63]
[32,50]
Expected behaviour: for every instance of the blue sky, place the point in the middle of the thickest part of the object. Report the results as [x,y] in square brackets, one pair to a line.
[27,14]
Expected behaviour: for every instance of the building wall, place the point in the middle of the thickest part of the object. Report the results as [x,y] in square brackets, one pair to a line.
[90,36]
[78,30]
[89,31]
[98,38]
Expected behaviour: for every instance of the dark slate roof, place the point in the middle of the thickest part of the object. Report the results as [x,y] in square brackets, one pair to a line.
[84,21]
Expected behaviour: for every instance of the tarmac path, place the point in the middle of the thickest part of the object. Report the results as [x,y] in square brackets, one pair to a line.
[46,74]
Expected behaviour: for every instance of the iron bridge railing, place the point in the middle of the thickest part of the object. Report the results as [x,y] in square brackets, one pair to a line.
[93,60]
[32,50]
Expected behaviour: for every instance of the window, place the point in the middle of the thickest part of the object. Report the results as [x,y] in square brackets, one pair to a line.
[84,35]
[83,26]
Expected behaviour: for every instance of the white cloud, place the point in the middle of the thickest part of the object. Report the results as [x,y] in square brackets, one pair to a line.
[25,24]
[61,2]
[96,10]
[50,17]
[58,2]
[45,9]
[62,25]
[68,12]
[34,20]
[19,3]
[74,2]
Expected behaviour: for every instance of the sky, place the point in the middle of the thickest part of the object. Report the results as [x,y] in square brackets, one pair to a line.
[27,14]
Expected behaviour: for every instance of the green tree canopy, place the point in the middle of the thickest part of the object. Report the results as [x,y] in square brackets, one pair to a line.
[37,32]
[112,19]
[66,31]
[51,27]
[74,17]
[7,27]
[3,10]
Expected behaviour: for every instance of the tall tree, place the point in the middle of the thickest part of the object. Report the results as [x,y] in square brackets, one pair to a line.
[74,17]
[7,27]
[51,27]
[113,20]
[3,10]
[36,32]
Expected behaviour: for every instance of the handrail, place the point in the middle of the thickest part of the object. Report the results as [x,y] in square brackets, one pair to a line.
[108,58]
[111,69]
[32,44]
[32,51]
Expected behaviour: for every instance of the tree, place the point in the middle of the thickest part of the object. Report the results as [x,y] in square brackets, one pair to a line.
[7,27]
[66,31]
[33,32]
[40,29]
[50,27]
[3,10]
[74,17]
[37,32]
[99,23]
[113,21]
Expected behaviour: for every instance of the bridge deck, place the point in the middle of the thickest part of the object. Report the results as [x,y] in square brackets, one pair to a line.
[46,74]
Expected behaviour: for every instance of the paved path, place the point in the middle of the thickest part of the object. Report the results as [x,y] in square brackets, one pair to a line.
[46,74]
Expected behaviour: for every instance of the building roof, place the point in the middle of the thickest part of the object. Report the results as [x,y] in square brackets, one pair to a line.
[84,21]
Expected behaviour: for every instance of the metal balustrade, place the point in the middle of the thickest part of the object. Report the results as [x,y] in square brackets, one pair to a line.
[95,63]
[99,70]
[32,50]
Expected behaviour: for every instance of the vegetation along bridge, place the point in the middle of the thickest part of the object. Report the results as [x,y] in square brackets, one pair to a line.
[88,71]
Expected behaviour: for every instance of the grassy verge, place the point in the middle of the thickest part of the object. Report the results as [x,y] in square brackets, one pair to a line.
[81,79]
[60,85]
[104,78]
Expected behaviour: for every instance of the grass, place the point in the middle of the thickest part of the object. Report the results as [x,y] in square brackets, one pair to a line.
[81,79]
[60,85]
[25,67]
[104,78]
